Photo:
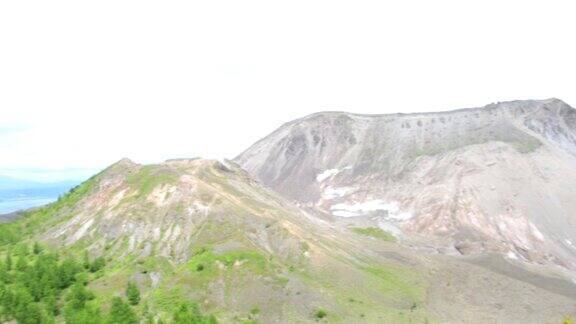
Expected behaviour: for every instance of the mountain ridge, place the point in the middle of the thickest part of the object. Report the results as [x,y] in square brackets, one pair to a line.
[433,170]
[500,104]
[336,219]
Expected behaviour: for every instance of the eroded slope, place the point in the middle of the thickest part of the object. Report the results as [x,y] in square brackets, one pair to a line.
[498,178]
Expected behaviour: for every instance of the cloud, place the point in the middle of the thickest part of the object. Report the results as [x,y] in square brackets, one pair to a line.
[10,128]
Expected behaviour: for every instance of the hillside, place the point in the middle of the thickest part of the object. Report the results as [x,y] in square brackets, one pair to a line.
[203,231]
[498,178]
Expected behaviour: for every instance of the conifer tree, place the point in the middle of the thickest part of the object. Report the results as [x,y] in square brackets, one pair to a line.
[37,249]
[9,261]
[133,293]
[120,312]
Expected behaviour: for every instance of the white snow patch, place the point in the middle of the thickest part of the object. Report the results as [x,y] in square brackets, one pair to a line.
[401,216]
[344,213]
[327,174]
[569,242]
[359,209]
[370,205]
[332,193]
[511,255]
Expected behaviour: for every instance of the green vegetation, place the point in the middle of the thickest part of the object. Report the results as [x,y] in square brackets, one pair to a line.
[41,287]
[133,293]
[320,314]
[97,265]
[120,312]
[375,233]
[206,262]
[519,140]
[190,313]
[148,177]
[398,283]
[46,287]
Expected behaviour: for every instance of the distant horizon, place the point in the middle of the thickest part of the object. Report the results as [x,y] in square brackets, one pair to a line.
[41,180]
[47,176]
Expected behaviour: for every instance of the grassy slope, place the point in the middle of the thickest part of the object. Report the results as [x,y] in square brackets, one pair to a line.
[376,233]
[223,280]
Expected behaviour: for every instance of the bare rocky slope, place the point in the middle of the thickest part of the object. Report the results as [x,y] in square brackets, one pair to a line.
[499,178]
[204,230]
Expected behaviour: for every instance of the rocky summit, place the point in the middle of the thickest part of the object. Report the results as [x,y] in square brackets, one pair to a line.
[455,217]
[494,179]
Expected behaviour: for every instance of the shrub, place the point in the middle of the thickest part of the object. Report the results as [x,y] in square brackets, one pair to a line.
[120,312]
[320,314]
[98,264]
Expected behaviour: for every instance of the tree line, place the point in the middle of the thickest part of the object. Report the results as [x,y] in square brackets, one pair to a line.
[39,286]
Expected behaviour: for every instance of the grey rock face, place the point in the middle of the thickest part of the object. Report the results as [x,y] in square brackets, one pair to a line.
[497,178]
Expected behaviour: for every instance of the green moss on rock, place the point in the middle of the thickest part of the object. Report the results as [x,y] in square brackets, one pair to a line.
[375,233]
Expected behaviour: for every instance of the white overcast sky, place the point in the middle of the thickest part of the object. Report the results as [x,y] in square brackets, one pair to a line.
[85,83]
